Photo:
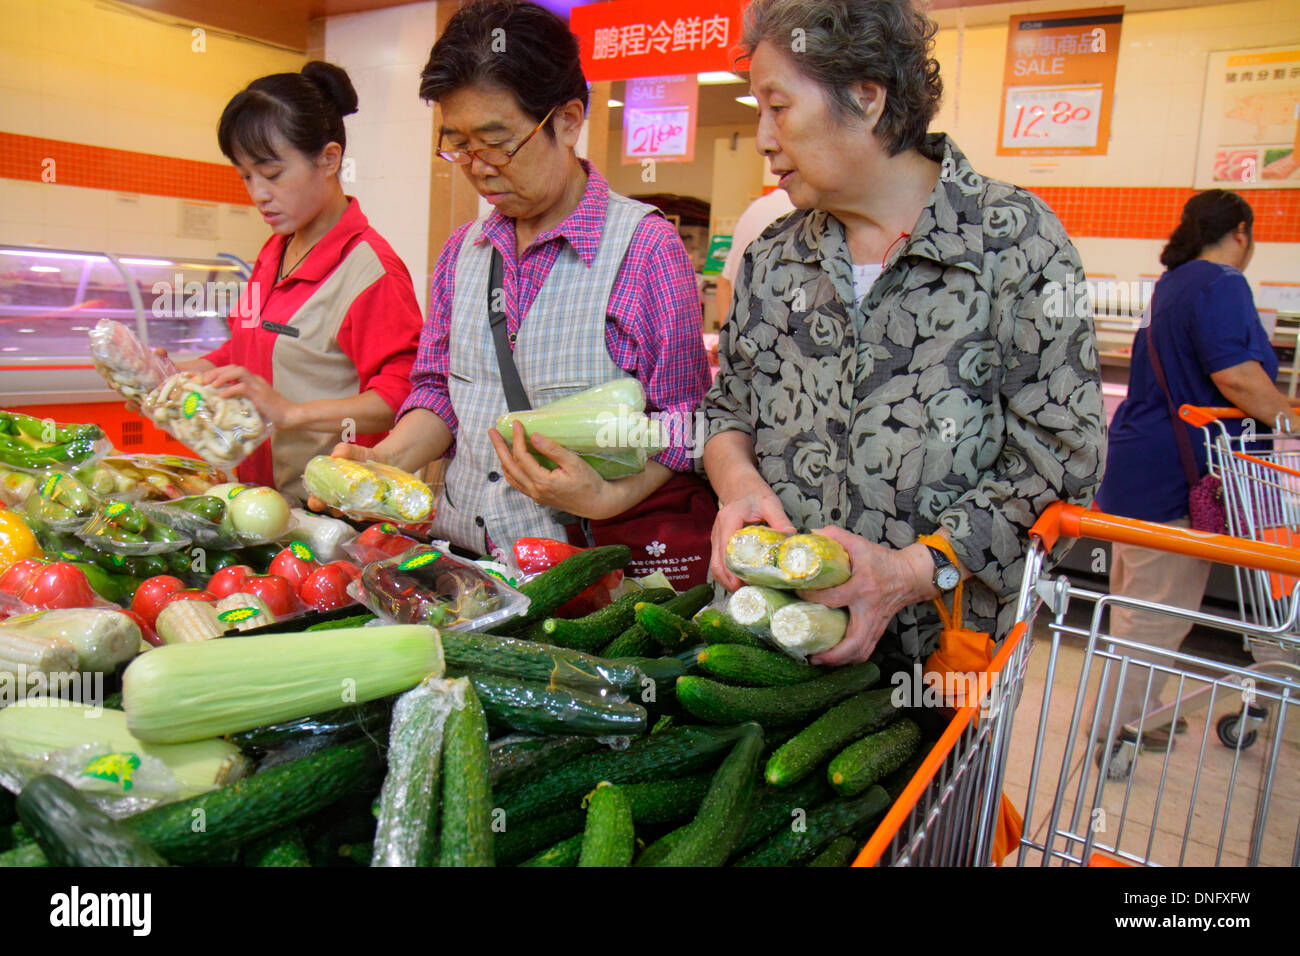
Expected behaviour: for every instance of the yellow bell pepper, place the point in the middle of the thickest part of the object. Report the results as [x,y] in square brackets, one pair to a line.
[17,543]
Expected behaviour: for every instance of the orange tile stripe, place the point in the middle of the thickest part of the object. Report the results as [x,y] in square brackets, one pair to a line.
[1132,212]
[79,164]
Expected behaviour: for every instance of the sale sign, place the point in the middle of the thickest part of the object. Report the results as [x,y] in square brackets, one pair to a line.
[622,39]
[659,119]
[1059,83]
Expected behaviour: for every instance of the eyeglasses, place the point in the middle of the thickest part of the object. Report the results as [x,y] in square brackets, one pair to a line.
[496,158]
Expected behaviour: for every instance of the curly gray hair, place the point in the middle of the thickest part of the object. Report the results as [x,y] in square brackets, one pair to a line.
[840,42]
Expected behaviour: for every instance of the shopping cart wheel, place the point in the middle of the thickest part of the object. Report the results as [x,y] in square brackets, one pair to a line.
[1123,753]
[1229,728]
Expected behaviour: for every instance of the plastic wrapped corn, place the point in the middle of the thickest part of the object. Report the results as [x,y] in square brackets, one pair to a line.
[130,368]
[774,559]
[368,490]
[223,431]
[751,555]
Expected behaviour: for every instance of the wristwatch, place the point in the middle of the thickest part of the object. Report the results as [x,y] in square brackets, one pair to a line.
[946,576]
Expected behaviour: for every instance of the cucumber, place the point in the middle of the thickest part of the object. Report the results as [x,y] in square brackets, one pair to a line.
[212,826]
[671,631]
[657,852]
[722,704]
[566,581]
[720,629]
[406,833]
[540,708]
[356,620]
[756,667]
[900,778]
[565,853]
[465,838]
[527,660]
[336,726]
[72,832]
[26,854]
[114,701]
[779,809]
[833,819]
[7,810]
[516,759]
[844,723]
[666,801]
[717,826]
[608,838]
[519,842]
[282,848]
[597,629]
[672,753]
[357,854]
[871,759]
[635,642]
[839,852]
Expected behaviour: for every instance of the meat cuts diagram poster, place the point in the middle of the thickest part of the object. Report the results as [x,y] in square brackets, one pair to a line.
[1250,124]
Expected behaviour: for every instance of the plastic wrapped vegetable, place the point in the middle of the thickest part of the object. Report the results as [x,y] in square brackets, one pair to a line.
[368,490]
[606,426]
[27,442]
[223,431]
[254,514]
[751,555]
[120,528]
[16,486]
[753,606]
[763,556]
[428,586]
[103,638]
[535,555]
[803,628]
[17,543]
[129,368]
[327,537]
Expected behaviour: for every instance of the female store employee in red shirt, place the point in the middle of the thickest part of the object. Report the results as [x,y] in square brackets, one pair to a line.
[324,338]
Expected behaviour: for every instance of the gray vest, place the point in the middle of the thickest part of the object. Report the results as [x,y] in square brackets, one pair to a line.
[560,350]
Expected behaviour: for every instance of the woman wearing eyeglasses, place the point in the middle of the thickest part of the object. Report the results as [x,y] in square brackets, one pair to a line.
[324,339]
[594,286]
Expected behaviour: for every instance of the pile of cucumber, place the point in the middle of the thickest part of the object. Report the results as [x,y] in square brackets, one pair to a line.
[653,732]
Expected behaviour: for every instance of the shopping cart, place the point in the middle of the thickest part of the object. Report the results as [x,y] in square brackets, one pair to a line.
[948,813]
[1194,803]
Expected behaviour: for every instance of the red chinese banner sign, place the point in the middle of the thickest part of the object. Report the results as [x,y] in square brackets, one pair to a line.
[1059,83]
[623,39]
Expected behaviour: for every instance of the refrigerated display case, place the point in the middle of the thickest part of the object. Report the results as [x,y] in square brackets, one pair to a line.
[51,298]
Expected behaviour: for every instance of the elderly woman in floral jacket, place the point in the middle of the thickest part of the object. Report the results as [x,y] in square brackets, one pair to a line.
[901,360]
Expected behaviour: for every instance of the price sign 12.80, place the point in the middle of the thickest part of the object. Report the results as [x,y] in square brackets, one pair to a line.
[657,132]
[1051,117]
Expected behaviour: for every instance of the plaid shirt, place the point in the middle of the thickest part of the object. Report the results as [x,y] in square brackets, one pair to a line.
[653,332]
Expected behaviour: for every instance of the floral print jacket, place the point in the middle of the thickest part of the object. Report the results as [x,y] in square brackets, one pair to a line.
[953,395]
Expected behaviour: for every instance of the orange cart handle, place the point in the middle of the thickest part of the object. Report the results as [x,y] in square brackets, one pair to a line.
[1070,521]
[1200,417]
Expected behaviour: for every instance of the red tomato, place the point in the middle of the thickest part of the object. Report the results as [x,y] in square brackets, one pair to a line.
[326,589]
[381,541]
[352,570]
[59,584]
[152,594]
[294,564]
[15,580]
[275,591]
[229,580]
[146,630]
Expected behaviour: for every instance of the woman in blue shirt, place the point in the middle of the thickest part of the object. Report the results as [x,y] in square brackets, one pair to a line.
[1214,352]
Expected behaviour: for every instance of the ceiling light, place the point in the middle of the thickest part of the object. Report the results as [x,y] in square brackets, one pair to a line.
[45,269]
[748,100]
[614,104]
[717,77]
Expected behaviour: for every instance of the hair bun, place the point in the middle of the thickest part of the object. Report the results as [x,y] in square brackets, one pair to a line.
[334,83]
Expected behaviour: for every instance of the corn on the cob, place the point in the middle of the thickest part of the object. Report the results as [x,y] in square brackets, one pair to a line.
[102,638]
[182,692]
[368,488]
[182,622]
[751,555]
[33,729]
[812,561]
[804,628]
[620,391]
[241,611]
[22,653]
[753,606]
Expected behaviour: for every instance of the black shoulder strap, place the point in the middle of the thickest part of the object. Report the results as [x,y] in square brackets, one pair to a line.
[516,397]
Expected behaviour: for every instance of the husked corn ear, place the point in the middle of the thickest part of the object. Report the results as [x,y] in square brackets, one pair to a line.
[34,728]
[805,628]
[751,555]
[26,653]
[183,621]
[243,612]
[182,692]
[753,606]
[368,488]
[812,561]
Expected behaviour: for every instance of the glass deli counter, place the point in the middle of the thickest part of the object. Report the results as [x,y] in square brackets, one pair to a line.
[51,298]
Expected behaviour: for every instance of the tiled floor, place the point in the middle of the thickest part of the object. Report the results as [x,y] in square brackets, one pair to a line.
[1164,812]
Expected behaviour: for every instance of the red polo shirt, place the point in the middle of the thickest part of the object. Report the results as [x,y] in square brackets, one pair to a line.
[379,330]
